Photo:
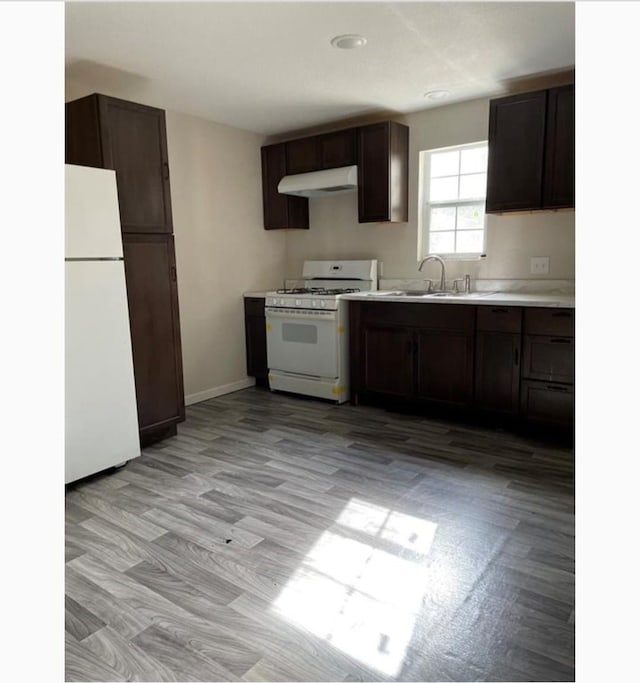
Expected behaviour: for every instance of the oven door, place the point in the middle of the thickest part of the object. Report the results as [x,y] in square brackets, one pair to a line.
[302,341]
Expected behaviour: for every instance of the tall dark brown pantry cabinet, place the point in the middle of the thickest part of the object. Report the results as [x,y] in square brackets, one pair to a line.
[130,138]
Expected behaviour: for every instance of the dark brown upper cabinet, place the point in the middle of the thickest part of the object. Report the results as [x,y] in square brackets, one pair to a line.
[280,210]
[383,172]
[302,156]
[558,189]
[531,151]
[131,139]
[319,152]
[338,149]
[380,150]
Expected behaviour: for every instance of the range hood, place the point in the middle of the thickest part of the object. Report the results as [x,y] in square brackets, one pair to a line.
[320,183]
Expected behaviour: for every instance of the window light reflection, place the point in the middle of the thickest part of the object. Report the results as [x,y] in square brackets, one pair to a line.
[361,598]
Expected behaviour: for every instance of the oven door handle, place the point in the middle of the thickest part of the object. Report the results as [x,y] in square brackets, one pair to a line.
[299,314]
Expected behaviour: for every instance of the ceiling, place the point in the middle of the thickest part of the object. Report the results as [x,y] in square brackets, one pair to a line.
[269,66]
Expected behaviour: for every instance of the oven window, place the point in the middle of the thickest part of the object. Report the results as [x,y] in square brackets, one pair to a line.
[296,332]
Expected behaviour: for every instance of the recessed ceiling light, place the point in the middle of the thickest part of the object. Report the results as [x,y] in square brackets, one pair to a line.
[437,94]
[349,41]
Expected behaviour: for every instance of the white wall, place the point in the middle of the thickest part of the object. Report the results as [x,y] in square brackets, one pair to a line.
[511,239]
[222,249]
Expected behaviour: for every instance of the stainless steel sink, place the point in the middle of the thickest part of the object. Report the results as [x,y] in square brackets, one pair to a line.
[461,295]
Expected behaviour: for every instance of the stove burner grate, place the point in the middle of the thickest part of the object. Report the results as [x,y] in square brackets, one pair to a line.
[319,290]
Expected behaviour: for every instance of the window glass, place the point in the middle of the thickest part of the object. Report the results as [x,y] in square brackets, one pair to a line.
[444,188]
[445,163]
[454,186]
[443,218]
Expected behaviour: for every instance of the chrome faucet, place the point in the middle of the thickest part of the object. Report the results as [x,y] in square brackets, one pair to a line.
[434,257]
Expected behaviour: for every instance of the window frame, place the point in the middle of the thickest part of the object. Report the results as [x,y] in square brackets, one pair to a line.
[424,206]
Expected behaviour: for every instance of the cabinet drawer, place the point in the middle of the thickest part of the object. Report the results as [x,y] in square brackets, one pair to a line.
[548,358]
[549,321]
[254,306]
[500,319]
[547,403]
[452,317]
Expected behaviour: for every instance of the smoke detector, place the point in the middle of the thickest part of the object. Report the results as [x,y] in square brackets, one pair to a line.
[349,41]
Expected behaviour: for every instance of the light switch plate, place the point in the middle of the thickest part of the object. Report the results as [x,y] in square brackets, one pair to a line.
[539,265]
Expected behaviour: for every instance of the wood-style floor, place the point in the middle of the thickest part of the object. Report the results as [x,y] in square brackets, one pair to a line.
[283,539]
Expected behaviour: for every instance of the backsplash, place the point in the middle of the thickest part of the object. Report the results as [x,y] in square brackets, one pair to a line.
[521,286]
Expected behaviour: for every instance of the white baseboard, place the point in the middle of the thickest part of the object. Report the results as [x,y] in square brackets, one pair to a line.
[219,391]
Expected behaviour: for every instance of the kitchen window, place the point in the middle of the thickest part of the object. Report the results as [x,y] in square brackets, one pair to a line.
[453,187]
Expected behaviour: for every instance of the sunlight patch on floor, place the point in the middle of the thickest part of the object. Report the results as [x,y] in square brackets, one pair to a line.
[363,595]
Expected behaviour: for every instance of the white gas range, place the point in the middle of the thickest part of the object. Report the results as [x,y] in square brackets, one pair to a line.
[307,329]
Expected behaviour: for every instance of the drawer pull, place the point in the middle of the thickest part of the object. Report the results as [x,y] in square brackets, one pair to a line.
[554,387]
[560,340]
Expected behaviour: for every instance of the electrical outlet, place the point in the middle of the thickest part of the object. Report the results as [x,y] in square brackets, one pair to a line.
[539,265]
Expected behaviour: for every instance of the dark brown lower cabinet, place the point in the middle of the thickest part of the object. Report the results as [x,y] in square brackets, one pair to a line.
[152,293]
[548,367]
[387,357]
[445,367]
[404,351]
[256,340]
[505,363]
[498,360]
[497,375]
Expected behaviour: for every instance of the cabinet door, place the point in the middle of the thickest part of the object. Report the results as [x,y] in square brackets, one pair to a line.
[516,152]
[387,360]
[497,373]
[338,149]
[150,271]
[302,155]
[256,338]
[383,163]
[445,367]
[559,173]
[373,173]
[280,210]
[134,144]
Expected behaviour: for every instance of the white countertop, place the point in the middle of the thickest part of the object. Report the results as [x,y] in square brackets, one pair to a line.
[476,298]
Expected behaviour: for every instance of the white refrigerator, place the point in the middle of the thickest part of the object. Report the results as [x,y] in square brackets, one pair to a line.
[101,421]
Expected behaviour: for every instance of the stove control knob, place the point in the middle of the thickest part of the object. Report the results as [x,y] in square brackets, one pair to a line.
[314,304]
[298,302]
[282,302]
[323,304]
